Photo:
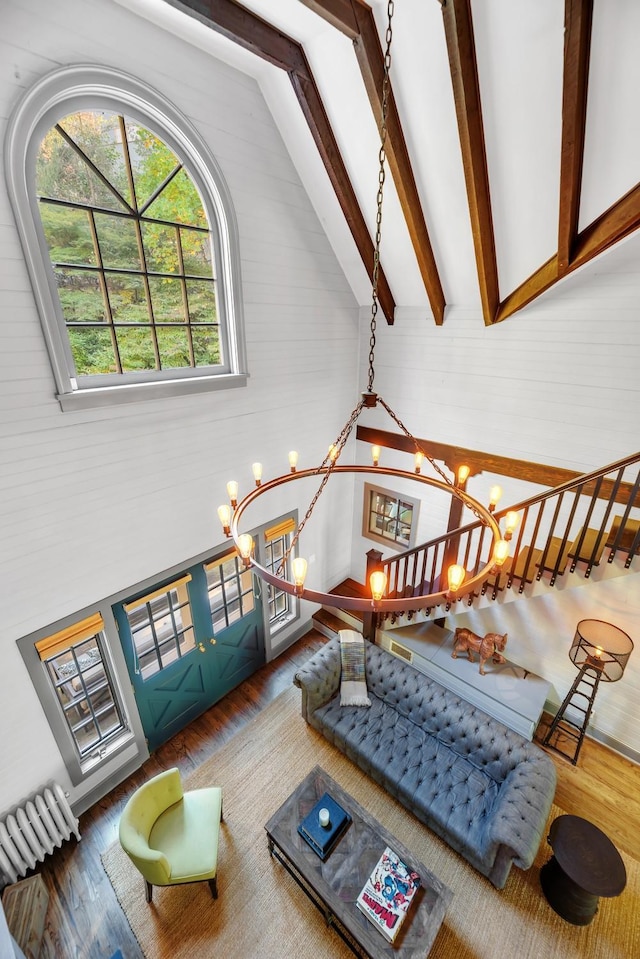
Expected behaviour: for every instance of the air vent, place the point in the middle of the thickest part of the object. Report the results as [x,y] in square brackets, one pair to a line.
[400,651]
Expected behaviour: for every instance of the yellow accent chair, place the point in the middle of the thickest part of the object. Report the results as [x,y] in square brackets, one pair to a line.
[171,836]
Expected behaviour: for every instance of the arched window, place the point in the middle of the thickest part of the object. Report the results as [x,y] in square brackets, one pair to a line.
[130,239]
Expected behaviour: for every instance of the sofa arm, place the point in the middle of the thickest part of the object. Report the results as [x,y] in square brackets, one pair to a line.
[319,678]
[520,814]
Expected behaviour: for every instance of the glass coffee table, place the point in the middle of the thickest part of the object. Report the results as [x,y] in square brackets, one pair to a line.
[333,885]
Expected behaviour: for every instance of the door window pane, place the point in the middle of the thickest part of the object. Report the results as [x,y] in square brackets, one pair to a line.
[161,627]
[230,588]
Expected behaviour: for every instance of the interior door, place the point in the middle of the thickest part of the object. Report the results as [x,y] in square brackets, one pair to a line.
[189,642]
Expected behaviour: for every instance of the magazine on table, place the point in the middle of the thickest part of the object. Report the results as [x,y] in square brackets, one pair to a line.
[388,894]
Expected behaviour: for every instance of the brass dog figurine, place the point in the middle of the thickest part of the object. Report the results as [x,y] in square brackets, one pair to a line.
[487,647]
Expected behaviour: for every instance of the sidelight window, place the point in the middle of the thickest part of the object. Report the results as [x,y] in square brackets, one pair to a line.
[74,659]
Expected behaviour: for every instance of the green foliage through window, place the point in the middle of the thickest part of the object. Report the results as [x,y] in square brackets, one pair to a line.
[130,245]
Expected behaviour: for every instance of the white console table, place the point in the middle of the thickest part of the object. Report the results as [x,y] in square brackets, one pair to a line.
[507,692]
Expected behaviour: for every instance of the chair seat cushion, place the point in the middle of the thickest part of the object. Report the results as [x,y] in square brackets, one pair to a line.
[187,834]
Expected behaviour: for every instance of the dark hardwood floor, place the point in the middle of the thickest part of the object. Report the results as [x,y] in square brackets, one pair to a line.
[84,919]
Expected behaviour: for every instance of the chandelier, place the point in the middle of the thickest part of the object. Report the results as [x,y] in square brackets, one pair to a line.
[459,582]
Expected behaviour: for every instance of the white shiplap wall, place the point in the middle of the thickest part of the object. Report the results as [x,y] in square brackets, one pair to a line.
[95,501]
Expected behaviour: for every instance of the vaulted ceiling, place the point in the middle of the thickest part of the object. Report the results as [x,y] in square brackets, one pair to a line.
[513,135]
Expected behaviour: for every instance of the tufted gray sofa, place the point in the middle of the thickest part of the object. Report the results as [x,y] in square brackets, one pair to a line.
[483,788]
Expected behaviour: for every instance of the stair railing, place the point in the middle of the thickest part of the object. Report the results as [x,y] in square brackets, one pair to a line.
[569,525]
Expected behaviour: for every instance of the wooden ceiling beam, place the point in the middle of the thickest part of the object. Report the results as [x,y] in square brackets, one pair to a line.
[458,26]
[370,57]
[315,115]
[578,19]
[339,13]
[248,30]
[258,36]
[355,19]
[621,219]
[616,223]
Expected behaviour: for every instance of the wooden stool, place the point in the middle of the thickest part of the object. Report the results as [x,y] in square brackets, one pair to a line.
[585,865]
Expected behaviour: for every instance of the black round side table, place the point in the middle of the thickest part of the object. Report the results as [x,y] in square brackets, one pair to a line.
[585,865]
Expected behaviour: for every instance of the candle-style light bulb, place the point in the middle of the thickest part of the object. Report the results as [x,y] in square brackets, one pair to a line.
[257,473]
[463,474]
[455,577]
[293,460]
[232,493]
[299,571]
[511,520]
[224,515]
[333,452]
[245,545]
[417,461]
[375,455]
[500,552]
[494,495]
[378,584]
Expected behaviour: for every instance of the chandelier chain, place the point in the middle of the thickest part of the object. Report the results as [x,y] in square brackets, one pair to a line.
[380,195]
[327,464]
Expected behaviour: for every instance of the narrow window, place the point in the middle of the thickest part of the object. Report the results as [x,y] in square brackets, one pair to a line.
[75,662]
[277,540]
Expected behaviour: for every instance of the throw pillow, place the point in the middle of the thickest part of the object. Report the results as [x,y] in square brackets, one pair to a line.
[353,682]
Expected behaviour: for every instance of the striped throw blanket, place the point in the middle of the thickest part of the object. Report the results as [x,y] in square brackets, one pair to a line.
[353,683]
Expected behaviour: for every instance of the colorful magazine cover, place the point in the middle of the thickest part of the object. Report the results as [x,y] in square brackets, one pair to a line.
[388,893]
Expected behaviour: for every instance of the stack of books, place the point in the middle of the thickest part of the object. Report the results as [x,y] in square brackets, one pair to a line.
[388,893]
[323,839]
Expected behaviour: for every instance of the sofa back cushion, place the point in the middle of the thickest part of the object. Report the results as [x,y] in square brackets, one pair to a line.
[483,741]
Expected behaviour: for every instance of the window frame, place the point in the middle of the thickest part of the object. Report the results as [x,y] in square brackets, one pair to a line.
[276,595]
[371,490]
[80,769]
[81,87]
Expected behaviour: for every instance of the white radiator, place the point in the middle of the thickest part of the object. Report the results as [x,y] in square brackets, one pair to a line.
[35,829]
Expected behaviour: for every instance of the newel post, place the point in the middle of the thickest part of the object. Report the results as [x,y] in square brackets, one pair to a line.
[370,619]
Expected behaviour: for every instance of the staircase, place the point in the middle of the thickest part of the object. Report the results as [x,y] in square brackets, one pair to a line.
[589,527]
[586,528]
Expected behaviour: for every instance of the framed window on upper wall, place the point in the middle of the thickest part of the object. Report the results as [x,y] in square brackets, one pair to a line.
[130,238]
[83,696]
[389,518]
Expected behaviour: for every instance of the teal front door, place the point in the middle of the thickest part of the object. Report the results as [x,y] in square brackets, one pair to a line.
[190,641]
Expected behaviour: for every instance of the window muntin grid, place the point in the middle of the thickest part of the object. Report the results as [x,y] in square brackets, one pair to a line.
[84,689]
[279,601]
[230,590]
[161,629]
[390,517]
[130,247]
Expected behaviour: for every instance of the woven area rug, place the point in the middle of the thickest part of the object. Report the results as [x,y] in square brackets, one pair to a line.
[262,914]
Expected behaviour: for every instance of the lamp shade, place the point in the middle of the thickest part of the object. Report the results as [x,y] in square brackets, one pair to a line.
[601,646]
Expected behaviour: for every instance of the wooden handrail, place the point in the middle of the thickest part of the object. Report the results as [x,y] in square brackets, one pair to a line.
[586,487]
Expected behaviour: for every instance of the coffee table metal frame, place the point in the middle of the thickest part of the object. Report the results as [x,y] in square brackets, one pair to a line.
[333,885]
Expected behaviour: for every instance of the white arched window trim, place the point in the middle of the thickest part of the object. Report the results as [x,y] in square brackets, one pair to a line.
[90,87]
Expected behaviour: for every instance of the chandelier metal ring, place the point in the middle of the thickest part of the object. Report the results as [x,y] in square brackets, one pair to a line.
[364,603]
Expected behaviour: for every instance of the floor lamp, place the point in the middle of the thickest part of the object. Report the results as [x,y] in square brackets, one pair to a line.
[600,651]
